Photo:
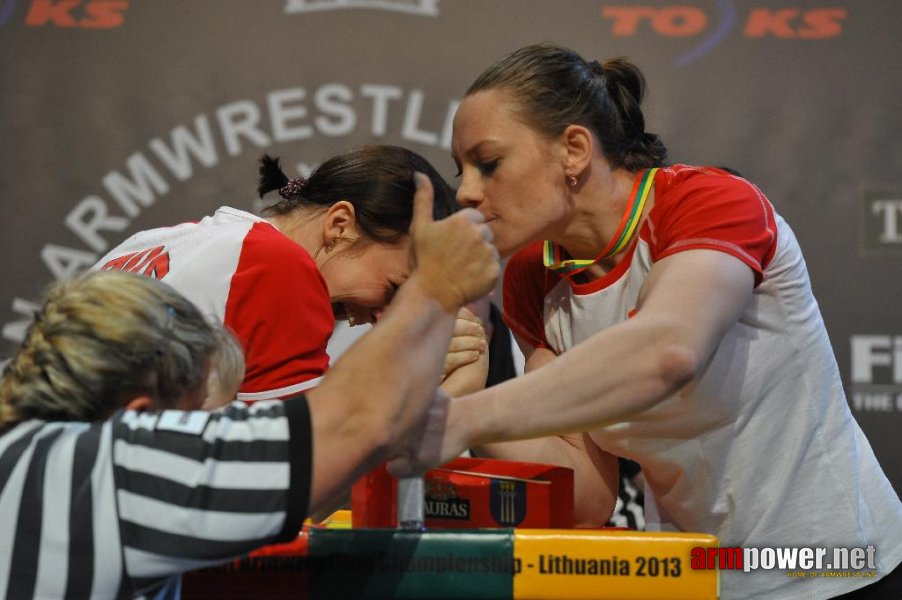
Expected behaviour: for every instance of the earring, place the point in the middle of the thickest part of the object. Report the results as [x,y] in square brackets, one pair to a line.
[327,247]
[571,179]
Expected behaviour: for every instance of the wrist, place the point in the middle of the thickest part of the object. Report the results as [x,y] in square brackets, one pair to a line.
[465,422]
[439,291]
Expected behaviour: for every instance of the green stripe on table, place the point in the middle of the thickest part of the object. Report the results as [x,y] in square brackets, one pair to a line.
[385,563]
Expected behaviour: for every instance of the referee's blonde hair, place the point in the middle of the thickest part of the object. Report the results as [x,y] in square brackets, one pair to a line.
[106,337]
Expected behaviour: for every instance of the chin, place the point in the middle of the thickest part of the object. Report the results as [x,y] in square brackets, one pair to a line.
[506,249]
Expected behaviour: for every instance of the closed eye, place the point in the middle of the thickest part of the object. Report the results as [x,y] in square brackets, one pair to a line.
[487,168]
[391,291]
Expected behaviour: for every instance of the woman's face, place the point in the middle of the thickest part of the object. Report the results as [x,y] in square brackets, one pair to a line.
[509,172]
[363,281]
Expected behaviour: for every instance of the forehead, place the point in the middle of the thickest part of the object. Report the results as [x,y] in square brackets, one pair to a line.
[390,258]
[484,113]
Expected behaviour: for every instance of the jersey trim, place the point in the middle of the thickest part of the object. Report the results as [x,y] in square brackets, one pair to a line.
[279,392]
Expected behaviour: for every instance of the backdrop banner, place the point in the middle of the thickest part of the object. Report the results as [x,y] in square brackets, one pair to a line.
[120,115]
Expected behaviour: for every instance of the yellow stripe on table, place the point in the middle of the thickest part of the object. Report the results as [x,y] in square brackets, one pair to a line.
[610,565]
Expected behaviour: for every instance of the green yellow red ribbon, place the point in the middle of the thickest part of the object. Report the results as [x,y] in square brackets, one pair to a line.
[553,256]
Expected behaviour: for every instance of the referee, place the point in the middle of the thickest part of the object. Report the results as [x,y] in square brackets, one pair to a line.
[112,482]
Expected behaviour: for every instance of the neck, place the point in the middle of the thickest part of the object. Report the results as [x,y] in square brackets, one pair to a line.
[598,210]
[301,227]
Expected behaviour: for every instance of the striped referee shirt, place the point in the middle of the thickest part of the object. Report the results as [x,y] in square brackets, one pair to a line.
[117,509]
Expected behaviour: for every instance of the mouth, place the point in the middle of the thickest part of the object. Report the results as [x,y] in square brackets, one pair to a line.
[339,311]
[354,315]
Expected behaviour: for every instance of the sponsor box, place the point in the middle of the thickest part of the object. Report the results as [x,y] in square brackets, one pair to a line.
[470,493]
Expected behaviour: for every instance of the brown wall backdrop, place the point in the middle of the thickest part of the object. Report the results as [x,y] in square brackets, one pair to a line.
[119,115]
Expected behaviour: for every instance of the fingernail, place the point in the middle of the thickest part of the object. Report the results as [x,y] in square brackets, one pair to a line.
[418,179]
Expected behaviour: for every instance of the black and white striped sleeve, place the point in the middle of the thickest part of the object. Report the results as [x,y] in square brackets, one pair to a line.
[61,538]
[195,488]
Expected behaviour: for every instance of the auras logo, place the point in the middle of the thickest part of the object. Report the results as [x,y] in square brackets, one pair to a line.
[713,26]
[67,14]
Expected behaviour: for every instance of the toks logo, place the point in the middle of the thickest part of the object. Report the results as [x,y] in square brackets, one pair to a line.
[681,21]
[69,14]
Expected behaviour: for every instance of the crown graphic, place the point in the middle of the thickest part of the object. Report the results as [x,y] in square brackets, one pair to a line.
[425,8]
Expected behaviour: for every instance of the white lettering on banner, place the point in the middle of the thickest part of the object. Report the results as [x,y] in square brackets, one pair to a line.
[143,177]
[381,94]
[237,119]
[64,262]
[280,111]
[328,100]
[90,216]
[186,144]
[870,351]
[15,330]
[876,373]
[425,8]
[868,402]
[448,129]
[889,210]
[412,121]
[241,125]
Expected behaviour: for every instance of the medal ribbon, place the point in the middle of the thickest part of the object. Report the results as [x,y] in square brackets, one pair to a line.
[553,256]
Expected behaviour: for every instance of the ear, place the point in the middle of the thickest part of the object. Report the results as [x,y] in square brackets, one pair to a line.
[579,146]
[140,403]
[340,222]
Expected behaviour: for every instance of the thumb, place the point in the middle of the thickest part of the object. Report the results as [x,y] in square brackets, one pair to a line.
[422,200]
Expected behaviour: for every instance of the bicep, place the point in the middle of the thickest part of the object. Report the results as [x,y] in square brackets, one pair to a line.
[702,292]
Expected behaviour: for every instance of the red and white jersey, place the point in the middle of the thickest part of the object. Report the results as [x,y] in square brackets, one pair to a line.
[241,271]
[760,450]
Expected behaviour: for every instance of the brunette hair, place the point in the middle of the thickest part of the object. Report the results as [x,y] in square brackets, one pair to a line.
[554,87]
[377,180]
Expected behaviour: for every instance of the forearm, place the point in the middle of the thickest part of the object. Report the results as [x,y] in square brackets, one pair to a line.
[623,371]
[468,378]
[402,359]
[378,390]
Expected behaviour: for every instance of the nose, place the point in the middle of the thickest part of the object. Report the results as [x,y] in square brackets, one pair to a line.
[467,194]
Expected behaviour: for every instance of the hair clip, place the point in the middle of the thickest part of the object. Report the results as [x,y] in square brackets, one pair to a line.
[292,189]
